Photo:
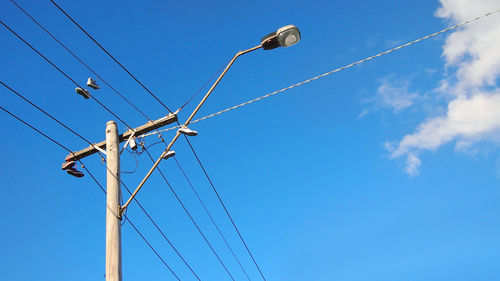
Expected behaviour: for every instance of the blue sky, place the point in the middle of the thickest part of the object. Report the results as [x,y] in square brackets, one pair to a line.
[385,171]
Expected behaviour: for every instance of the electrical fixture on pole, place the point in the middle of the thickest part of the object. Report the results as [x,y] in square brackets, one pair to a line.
[284,37]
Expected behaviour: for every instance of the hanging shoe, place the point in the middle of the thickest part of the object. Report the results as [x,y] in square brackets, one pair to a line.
[75,173]
[83,92]
[169,154]
[68,165]
[92,84]
[188,132]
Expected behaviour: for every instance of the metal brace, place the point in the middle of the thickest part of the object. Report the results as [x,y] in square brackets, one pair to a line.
[128,141]
[99,149]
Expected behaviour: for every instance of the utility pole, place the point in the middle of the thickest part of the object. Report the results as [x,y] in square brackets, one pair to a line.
[113,226]
[283,37]
[111,147]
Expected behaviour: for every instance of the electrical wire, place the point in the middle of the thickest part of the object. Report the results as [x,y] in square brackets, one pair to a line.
[134,227]
[225,208]
[211,218]
[45,112]
[62,72]
[201,88]
[161,232]
[89,68]
[191,218]
[152,248]
[100,186]
[102,79]
[80,60]
[331,72]
[295,85]
[111,56]
[72,131]
[51,117]
[35,129]
[299,84]
[136,164]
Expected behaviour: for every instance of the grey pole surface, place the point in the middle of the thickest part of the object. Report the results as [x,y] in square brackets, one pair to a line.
[113,226]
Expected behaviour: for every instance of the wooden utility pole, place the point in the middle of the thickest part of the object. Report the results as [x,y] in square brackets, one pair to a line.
[113,221]
[114,210]
[113,231]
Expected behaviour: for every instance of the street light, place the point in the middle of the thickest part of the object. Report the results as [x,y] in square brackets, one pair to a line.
[284,37]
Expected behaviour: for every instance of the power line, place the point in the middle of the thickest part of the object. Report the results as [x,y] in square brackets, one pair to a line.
[152,248]
[80,60]
[82,29]
[332,72]
[91,70]
[96,74]
[100,186]
[225,209]
[161,232]
[102,48]
[67,76]
[196,193]
[192,219]
[50,116]
[134,227]
[45,112]
[35,129]
[62,72]
[211,218]
[220,200]
[136,200]
[201,88]
[302,83]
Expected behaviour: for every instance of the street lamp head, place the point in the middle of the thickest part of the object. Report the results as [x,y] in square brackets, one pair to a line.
[284,37]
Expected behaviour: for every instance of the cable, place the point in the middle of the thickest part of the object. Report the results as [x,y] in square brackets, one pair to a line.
[92,176]
[150,246]
[134,227]
[102,48]
[66,127]
[161,232]
[91,70]
[224,206]
[136,164]
[52,117]
[191,218]
[84,64]
[38,131]
[201,88]
[333,71]
[62,72]
[211,218]
[49,115]
[80,60]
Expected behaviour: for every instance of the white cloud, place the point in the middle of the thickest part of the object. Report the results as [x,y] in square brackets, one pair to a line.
[395,95]
[392,94]
[412,164]
[467,120]
[472,57]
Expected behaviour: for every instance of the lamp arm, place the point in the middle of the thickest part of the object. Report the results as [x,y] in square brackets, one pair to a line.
[122,208]
[218,80]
